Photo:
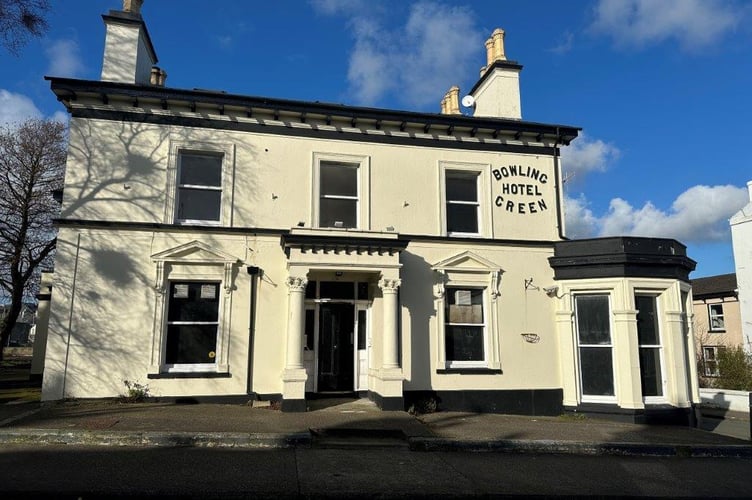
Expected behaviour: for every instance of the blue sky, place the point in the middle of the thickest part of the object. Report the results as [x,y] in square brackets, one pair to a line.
[661,88]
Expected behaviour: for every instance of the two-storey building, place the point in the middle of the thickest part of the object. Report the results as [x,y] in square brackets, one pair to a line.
[221,245]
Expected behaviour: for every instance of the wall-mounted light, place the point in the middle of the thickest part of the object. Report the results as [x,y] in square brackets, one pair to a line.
[551,291]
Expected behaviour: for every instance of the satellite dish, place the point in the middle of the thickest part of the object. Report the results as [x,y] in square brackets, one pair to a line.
[468,101]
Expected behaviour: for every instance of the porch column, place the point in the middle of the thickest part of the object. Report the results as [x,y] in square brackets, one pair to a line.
[294,376]
[387,390]
[390,338]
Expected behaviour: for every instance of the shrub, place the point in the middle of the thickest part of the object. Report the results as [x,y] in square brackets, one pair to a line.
[735,369]
[135,392]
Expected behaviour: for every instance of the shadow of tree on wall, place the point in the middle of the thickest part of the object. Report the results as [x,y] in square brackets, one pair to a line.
[122,172]
[418,284]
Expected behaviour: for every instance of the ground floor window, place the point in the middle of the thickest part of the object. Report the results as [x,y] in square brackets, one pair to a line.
[464,328]
[710,360]
[593,324]
[192,324]
[649,340]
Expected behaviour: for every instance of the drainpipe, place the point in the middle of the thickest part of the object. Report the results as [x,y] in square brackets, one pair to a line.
[559,204]
[255,273]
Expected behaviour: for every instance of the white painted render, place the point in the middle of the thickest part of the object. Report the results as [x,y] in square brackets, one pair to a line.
[741,238]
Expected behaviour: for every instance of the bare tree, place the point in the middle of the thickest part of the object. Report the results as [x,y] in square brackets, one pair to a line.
[32,167]
[20,19]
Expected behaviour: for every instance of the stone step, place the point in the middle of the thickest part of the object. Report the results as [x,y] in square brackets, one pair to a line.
[350,438]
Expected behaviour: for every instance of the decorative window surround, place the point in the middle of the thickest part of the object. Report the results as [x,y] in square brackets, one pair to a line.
[193,261]
[227,151]
[468,270]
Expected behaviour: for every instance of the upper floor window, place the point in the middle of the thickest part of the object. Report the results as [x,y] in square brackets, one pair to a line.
[715,318]
[199,187]
[338,194]
[462,203]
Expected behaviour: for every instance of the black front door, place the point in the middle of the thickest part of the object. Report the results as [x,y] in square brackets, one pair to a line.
[336,361]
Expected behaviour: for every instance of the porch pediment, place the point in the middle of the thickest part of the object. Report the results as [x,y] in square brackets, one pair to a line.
[194,252]
[467,261]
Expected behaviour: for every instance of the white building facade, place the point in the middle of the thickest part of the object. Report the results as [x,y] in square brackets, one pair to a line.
[741,238]
[236,247]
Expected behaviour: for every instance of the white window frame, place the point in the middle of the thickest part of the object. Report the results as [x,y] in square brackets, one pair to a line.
[454,364]
[197,187]
[590,398]
[715,349]
[192,367]
[655,295]
[227,152]
[362,164]
[483,194]
[712,316]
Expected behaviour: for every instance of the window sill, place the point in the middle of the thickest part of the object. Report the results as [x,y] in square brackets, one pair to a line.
[467,370]
[168,375]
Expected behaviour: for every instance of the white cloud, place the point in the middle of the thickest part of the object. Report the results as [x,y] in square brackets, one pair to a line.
[693,23]
[417,61]
[15,108]
[587,155]
[700,214]
[580,221]
[64,59]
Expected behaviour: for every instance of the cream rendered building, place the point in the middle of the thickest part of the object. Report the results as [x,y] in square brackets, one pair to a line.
[225,246]
[741,237]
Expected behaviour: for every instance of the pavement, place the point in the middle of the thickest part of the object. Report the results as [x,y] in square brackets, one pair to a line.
[334,423]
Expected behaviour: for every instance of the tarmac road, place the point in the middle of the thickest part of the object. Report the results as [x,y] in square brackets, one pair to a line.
[65,471]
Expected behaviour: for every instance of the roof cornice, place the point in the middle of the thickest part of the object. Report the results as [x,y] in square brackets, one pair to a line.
[70,90]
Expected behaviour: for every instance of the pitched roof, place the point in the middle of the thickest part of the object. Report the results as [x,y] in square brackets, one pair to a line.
[714,286]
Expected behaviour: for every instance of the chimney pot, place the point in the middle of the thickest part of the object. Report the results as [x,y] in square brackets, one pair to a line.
[162,77]
[132,6]
[489,52]
[498,45]
[154,76]
[454,100]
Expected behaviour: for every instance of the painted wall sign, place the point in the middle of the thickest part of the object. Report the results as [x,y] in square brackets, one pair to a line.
[520,189]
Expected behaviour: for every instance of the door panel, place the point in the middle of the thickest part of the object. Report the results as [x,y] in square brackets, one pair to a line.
[361,359]
[336,339]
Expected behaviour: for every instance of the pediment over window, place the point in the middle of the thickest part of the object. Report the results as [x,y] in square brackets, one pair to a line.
[194,252]
[469,262]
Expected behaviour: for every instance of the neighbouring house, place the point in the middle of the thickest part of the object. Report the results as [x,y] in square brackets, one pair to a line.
[216,245]
[741,237]
[22,334]
[717,319]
